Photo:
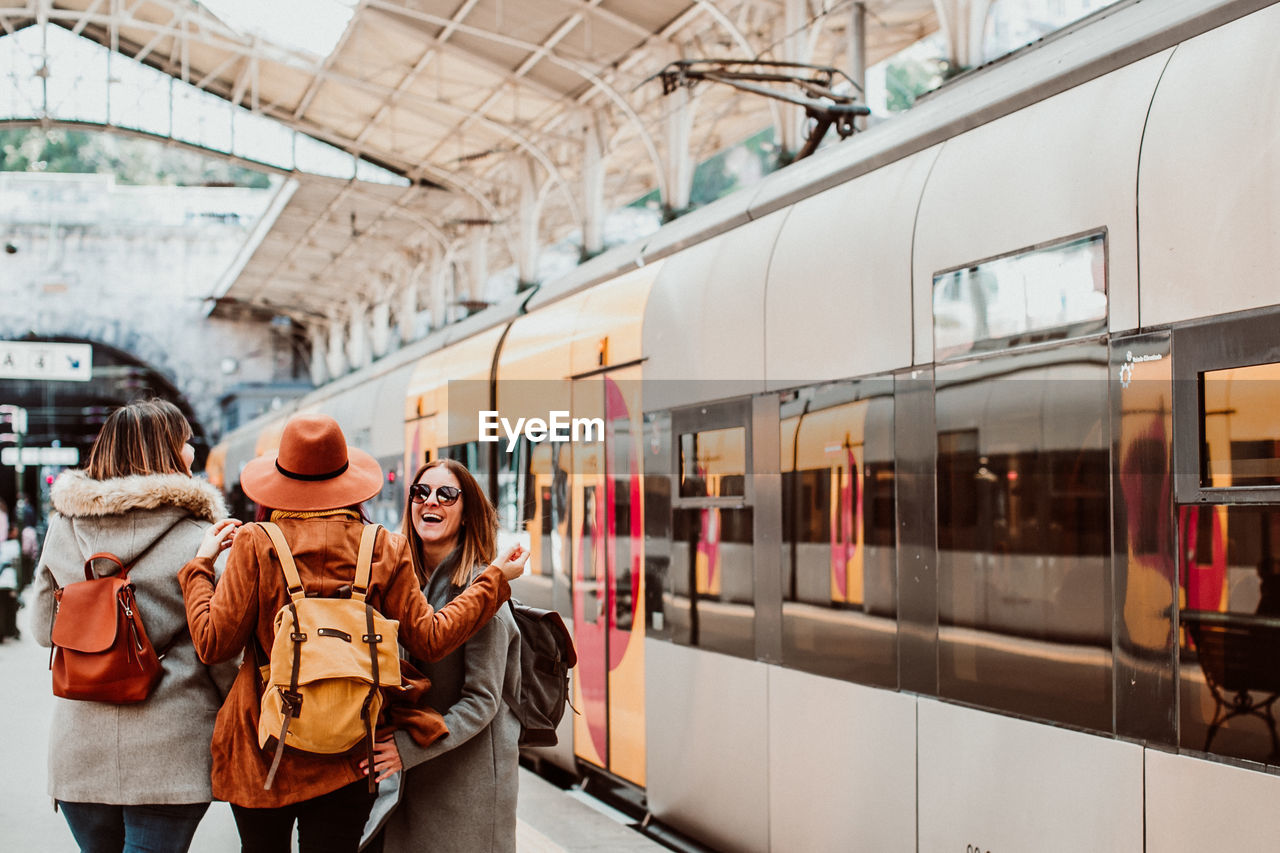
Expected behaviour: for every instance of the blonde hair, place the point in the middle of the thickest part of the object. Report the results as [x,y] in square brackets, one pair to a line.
[479,531]
[143,437]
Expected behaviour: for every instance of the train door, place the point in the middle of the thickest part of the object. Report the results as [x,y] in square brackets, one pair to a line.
[608,581]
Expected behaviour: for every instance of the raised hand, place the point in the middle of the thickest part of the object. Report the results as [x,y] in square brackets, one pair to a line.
[513,561]
[218,538]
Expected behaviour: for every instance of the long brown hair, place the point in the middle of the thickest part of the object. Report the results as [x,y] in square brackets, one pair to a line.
[479,531]
[143,437]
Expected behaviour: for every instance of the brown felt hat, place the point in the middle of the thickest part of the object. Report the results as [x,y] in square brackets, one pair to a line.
[314,469]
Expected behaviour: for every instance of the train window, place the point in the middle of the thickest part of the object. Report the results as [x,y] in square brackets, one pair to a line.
[1024,520]
[713,463]
[698,523]
[622,487]
[1229,643]
[535,498]
[1239,433]
[1045,293]
[468,453]
[957,510]
[709,596]
[592,555]
[516,503]
[838,531]
[657,466]
[1225,393]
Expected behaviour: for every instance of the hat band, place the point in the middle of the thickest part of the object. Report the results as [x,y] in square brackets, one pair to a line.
[295,476]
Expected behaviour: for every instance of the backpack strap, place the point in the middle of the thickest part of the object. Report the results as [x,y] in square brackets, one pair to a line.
[290,700]
[296,591]
[513,699]
[364,562]
[364,567]
[367,710]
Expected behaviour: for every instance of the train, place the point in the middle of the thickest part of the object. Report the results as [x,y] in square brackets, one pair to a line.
[927,493]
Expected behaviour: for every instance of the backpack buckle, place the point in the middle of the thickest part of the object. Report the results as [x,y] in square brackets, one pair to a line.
[292,701]
[297,637]
[376,638]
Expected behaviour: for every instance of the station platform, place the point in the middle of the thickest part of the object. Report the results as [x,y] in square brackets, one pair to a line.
[551,820]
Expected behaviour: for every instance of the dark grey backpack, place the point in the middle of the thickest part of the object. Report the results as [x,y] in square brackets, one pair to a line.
[546,656]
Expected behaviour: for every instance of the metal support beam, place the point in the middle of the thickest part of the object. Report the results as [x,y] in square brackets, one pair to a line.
[679,164]
[530,213]
[407,310]
[336,359]
[794,49]
[479,277]
[441,287]
[592,187]
[380,328]
[357,333]
[317,366]
[858,54]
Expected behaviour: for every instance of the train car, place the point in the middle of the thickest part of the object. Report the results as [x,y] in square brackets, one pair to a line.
[927,495]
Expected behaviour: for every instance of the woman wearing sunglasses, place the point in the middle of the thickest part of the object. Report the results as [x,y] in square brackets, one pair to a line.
[452,528]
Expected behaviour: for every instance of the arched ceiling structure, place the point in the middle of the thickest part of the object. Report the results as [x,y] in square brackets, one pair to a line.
[461,98]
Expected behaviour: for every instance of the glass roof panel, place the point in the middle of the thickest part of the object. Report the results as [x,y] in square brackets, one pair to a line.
[311,26]
[85,82]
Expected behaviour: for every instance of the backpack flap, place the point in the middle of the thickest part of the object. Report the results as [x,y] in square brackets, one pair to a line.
[334,647]
[88,615]
[551,641]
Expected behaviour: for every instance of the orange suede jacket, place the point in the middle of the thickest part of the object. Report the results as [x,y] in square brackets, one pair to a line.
[244,605]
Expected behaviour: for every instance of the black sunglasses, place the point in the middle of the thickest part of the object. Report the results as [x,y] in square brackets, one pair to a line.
[446,495]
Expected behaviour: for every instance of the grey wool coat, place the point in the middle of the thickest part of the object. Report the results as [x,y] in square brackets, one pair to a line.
[459,793]
[157,751]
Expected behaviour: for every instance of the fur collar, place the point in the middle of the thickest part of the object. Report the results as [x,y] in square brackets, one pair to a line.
[77,495]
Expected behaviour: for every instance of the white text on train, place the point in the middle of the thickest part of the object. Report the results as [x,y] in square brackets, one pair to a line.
[558,427]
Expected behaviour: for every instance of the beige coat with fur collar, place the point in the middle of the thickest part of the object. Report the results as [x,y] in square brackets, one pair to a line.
[156,751]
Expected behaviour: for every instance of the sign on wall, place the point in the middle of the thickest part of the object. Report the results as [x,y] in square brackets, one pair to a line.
[49,361]
[37,456]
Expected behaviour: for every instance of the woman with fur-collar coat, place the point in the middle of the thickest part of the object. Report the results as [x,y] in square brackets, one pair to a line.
[136,499]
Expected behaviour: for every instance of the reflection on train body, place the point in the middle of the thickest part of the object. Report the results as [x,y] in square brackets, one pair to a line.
[838,531]
[1024,532]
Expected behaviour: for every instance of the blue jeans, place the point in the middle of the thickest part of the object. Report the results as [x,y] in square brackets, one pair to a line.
[102,828]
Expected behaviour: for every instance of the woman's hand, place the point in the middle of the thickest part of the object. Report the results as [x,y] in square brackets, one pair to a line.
[218,538]
[386,760]
[512,562]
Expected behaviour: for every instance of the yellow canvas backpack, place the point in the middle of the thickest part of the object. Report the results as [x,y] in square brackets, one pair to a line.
[329,658]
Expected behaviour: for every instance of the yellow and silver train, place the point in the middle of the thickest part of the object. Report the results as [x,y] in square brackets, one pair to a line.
[931,495]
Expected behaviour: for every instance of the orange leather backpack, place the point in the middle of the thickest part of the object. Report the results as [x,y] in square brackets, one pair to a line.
[100,649]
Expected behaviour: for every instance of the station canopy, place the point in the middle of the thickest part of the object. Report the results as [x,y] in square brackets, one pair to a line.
[435,111]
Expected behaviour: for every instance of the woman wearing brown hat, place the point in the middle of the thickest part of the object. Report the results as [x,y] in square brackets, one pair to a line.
[313,488]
